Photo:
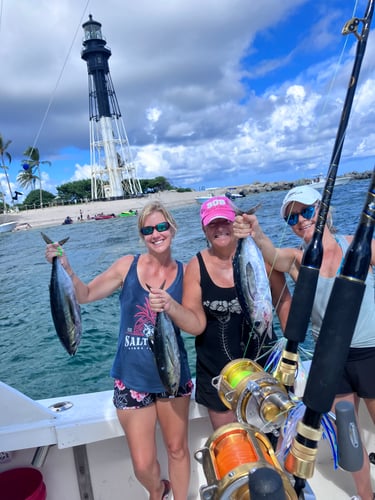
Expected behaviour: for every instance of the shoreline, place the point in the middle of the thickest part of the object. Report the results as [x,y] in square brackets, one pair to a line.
[55,216]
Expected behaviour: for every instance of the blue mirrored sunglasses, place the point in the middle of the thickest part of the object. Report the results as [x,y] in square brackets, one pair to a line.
[160,228]
[307,213]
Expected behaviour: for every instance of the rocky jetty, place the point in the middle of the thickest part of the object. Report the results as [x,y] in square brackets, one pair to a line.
[260,187]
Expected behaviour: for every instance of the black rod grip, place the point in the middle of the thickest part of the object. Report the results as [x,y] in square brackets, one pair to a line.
[302,302]
[333,343]
[349,442]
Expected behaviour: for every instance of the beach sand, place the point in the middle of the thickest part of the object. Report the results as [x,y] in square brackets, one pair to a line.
[54,216]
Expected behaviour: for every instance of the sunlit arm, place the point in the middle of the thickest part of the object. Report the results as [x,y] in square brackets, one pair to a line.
[104,284]
[281,297]
[100,287]
[281,259]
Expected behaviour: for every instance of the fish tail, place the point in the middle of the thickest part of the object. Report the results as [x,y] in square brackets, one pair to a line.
[49,241]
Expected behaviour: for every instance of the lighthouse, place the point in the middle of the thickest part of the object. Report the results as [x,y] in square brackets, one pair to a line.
[113,172]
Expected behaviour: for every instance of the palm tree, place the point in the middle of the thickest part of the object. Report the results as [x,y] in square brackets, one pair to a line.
[27,177]
[3,153]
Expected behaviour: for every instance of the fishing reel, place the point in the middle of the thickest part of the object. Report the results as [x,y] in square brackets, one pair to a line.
[254,395]
[232,458]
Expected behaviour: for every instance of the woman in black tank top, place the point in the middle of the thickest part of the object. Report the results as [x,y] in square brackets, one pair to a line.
[210,308]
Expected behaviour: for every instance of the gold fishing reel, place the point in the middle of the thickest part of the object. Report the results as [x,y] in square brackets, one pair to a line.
[232,456]
[254,395]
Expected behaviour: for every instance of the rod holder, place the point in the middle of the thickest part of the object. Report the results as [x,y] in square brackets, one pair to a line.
[40,456]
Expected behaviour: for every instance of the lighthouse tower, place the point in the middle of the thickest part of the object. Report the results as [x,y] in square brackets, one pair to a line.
[113,173]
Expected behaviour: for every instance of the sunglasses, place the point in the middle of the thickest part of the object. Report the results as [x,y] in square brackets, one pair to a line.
[307,213]
[160,228]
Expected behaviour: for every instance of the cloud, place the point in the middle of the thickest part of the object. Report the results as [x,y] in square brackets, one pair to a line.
[210,92]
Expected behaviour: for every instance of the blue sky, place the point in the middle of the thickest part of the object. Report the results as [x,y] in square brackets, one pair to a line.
[212,93]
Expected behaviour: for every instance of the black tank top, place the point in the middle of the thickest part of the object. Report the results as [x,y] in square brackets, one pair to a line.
[225,338]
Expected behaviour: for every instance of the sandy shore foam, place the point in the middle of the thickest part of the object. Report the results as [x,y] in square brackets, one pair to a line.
[53,216]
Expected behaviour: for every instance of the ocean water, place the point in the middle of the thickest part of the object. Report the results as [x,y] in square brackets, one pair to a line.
[32,359]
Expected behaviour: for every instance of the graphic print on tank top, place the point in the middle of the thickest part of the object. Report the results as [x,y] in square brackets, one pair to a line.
[222,311]
[143,327]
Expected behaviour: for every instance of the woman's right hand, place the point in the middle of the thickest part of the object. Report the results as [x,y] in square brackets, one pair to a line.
[160,300]
[245,225]
[56,250]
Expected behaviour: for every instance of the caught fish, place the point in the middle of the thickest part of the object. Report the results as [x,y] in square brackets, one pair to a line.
[164,345]
[252,287]
[65,310]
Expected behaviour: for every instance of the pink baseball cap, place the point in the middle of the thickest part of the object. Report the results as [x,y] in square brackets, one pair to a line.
[217,207]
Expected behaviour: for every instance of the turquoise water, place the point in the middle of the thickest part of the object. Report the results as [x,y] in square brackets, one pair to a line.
[31,357]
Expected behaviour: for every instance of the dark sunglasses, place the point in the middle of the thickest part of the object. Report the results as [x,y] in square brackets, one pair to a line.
[307,213]
[160,228]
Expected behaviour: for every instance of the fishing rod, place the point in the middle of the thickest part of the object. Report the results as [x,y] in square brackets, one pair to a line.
[304,292]
[333,343]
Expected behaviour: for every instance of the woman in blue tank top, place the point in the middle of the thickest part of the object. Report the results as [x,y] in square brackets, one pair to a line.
[140,397]
[300,211]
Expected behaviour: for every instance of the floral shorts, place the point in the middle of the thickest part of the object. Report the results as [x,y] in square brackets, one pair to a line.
[128,399]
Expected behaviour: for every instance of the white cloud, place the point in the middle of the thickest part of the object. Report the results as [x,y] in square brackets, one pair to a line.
[81,172]
[192,110]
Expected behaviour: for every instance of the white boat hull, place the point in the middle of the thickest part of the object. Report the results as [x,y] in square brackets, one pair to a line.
[340,181]
[6,227]
[91,426]
[202,199]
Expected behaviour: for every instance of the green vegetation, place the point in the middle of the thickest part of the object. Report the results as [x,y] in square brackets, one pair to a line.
[160,184]
[80,191]
[75,191]
[33,199]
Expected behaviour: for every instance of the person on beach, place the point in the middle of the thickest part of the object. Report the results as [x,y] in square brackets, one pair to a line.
[300,210]
[210,308]
[140,398]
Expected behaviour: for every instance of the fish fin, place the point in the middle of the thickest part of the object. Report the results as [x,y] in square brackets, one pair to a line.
[250,211]
[161,287]
[49,241]
[46,239]
[253,209]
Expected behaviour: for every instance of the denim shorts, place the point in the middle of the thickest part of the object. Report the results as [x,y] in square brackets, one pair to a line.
[129,399]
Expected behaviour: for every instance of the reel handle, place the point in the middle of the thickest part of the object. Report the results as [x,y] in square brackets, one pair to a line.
[349,442]
[266,484]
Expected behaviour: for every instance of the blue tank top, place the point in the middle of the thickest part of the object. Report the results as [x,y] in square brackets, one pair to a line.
[134,363]
[364,333]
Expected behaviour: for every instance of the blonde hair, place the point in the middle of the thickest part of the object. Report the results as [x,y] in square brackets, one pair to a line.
[156,206]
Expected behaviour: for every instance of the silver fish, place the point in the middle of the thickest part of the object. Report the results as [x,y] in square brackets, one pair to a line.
[65,310]
[164,345]
[252,287]
[166,352]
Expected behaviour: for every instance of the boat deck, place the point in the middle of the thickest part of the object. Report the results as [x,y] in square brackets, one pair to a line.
[90,427]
